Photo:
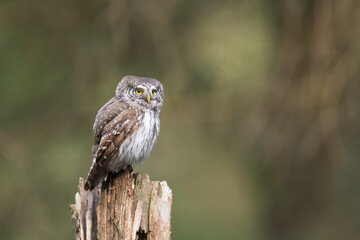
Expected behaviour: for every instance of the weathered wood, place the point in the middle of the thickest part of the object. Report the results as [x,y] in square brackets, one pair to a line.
[127,206]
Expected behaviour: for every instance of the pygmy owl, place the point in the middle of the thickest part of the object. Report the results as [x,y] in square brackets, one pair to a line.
[125,128]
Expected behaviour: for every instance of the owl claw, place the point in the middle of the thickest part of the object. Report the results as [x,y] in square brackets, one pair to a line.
[130,168]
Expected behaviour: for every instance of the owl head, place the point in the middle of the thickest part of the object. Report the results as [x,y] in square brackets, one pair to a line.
[141,91]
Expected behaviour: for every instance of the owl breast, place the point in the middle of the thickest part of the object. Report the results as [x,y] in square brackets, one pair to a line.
[138,145]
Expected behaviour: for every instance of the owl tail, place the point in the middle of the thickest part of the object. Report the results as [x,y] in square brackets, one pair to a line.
[95,176]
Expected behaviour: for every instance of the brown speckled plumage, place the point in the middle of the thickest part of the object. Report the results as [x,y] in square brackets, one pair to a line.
[125,128]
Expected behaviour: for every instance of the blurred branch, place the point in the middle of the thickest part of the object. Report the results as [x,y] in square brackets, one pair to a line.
[301,132]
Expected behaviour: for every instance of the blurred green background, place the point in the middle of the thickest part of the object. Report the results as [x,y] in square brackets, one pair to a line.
[260,129]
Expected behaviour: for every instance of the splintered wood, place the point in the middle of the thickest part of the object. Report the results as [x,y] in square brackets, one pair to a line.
[130,206]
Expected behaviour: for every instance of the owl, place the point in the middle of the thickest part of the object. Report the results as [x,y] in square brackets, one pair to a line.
[125,128]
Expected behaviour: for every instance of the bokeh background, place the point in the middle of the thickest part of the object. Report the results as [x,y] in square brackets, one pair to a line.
[260,130]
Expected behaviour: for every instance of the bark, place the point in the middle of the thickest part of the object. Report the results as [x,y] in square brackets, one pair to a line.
[127,206]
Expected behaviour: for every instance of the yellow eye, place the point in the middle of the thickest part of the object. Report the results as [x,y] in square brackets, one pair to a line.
[153,92]
[138,91]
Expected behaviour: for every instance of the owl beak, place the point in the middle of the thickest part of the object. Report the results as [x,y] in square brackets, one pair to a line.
[148,97]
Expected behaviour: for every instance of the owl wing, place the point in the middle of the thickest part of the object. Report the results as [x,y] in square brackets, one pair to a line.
[114,134]
[105,115]
[110,131]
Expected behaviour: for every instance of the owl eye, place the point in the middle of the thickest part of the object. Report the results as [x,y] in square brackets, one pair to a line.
[153,92]
[138,91]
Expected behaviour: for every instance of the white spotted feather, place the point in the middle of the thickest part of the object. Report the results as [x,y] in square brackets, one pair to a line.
[125,128]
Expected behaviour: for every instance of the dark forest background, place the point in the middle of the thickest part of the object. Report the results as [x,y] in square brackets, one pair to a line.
[260,130]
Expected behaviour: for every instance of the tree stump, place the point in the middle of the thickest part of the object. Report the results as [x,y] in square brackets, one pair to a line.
[128,206]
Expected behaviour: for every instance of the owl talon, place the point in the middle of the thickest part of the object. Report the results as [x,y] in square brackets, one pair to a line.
[130,168]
